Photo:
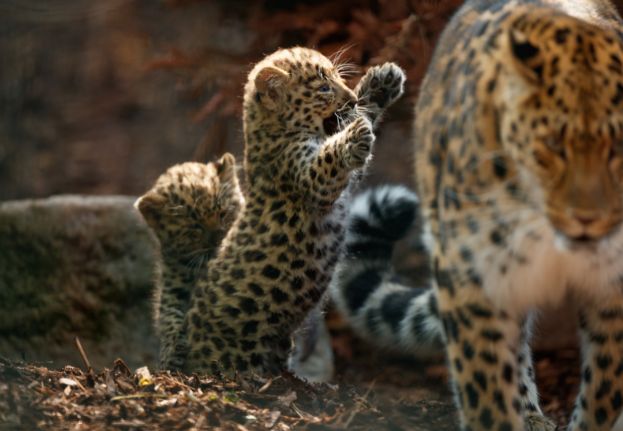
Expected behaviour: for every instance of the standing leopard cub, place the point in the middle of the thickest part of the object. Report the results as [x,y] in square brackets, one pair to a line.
[276,261]
[190,208]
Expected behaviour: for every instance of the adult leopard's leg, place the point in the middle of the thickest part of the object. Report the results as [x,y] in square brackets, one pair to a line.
[482,353]
[529,396]
[600,400]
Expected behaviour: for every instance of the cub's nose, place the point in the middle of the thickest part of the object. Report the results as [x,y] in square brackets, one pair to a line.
[348,96]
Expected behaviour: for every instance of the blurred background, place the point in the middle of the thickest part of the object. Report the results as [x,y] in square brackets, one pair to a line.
[100,97]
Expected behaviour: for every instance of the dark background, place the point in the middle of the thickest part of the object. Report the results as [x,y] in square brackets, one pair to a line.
[100,97]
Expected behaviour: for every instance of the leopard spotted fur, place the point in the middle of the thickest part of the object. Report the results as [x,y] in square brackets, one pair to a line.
[519,172]
[276,261]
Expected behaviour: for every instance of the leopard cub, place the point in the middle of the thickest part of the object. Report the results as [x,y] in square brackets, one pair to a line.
[190,208]
[277,259]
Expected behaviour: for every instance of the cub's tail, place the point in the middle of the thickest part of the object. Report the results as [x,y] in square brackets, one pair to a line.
[388,313]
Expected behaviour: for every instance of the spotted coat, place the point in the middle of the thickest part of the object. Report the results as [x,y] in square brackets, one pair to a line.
[190,208]
[277,259]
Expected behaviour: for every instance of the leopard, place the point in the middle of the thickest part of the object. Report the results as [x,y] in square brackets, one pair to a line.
[276,261]
[190,208]
[518,148]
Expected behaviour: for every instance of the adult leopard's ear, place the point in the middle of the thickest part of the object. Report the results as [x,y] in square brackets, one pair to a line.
[269,83]
[526,56]
[150,205]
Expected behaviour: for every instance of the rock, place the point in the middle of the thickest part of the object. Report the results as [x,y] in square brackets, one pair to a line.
[76,266]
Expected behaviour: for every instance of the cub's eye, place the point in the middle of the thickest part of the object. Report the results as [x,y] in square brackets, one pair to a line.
[325,88]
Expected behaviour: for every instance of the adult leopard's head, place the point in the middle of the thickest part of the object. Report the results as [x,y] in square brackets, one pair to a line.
[191,206]
[560,117]
[297,88]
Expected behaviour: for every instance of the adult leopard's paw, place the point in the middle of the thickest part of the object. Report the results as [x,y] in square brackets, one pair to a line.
[359,144]
[380,87]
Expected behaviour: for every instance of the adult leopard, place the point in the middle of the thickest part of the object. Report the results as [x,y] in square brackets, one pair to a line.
[519,169]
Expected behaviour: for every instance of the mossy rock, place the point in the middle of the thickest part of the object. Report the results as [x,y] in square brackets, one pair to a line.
[75,266]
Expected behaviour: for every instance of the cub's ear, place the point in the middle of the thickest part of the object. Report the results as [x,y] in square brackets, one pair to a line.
[526,56]
[226,167]
[150,205]
[269,83]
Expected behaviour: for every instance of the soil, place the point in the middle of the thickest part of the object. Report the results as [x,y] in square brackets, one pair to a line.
[381,393]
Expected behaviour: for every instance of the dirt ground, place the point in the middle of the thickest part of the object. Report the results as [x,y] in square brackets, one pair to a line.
[378,394]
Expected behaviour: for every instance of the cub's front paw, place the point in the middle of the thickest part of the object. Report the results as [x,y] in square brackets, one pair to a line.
[380,87]
[539,422]
[359,143]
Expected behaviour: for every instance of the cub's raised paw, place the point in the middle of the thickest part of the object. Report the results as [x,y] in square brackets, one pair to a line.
[539,422]
[380,87]
[359,144]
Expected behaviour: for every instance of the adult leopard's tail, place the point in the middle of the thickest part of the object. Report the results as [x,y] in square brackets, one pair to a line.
[388,313]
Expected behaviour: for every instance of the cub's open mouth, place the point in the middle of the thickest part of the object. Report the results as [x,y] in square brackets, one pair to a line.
[330,124]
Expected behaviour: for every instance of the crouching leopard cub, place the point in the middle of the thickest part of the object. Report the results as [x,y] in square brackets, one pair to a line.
[190,208]
[519,169]
[276,261]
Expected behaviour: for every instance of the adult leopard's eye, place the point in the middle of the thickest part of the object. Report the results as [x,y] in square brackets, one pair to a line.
[615,151]
[612,154]
[556,145]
